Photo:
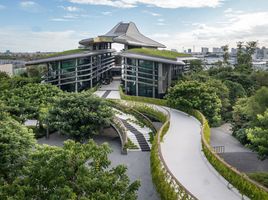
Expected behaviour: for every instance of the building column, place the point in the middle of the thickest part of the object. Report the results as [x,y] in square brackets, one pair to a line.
[124,72]
[160,78]
[137,77]
[91,66]
[154,79]
[169,75]
[76,83]
[59,76]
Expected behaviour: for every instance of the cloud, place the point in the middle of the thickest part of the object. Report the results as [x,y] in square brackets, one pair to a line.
[70,8]
[2,7]
[31,6]
[238,26]
[60,20]
[22,40]
[155,3]
[152,13]
[161,35]
[28,4]
[107,13]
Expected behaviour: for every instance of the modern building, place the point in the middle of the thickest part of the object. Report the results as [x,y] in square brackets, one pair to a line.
[146,70]
[12,67]
[204,50]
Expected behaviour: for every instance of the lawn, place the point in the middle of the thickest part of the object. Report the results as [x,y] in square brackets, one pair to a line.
[158,53]
[64,53]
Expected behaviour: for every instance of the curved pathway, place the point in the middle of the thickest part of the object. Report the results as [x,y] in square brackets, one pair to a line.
[181,150]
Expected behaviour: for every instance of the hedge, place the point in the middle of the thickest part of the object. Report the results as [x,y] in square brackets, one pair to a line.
[240,181]
[160,102]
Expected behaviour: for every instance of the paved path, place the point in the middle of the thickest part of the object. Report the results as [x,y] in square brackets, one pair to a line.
[110,91]
[235,153]
[181,150]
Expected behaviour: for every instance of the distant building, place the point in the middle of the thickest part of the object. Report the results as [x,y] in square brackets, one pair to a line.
[204,50]
[217,50]
[233,51]
[189,51]
[12,67]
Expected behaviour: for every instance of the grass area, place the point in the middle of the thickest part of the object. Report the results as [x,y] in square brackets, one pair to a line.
[260,177]
[159,53]
[64,53]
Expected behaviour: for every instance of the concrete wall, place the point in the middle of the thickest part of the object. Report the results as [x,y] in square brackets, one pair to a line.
[8,68]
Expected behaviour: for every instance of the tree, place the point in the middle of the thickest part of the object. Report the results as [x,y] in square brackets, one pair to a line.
[236,91]
[245,113]
[196,66]
[187,95]
[16,143]
[222,91]
[225,54]
[15,82]
[25,102]
[74,171]
[244,56]
[258,135]
[79,115]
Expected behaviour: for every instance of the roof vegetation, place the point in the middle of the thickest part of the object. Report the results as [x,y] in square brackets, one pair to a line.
[64,53]
[158,53]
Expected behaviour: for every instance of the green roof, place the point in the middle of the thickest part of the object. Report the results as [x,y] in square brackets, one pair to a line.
[158,53]
[64,53]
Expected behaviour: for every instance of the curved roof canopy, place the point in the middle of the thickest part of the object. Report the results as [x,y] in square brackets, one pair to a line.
[124,33]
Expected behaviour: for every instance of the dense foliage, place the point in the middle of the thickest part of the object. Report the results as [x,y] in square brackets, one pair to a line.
[74,171]
[79,115]
[258,135]
[188,95]
[16,143]
[26,101]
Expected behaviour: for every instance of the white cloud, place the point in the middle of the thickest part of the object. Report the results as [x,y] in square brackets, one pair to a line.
[152,13]
[2,7]
[237,27]
[161,35]
[27,4]
[107,13]
[20,40]
[70,8]
[156,3]
[60,20]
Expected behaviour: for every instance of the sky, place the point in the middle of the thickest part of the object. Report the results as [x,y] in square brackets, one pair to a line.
[56,25]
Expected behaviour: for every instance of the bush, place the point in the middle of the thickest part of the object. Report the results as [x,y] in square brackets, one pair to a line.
[160,102]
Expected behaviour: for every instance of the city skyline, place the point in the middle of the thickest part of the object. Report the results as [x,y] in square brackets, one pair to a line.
[57,25]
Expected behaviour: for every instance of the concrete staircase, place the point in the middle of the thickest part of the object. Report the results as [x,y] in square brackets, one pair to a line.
[140,137]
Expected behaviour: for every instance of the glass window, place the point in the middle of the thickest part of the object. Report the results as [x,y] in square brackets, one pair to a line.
[145,90]
[146,64]
[131,88]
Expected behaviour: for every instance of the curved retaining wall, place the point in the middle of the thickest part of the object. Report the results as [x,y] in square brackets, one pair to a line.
[240,181]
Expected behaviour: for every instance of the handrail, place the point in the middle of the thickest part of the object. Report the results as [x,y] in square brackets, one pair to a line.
[118,125]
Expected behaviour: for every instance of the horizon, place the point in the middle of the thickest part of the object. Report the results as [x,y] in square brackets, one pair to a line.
[56,25]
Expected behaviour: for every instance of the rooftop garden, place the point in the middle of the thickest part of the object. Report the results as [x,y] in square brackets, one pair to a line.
[158,53]
[64,53]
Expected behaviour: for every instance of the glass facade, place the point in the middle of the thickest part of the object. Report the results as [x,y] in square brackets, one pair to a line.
[141,77]
[79,73]
[148,78]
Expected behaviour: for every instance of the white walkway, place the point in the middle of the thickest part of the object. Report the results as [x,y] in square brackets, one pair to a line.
[110,91]
[182,153]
